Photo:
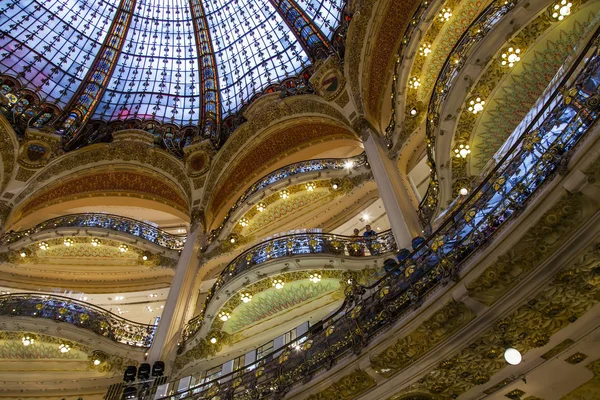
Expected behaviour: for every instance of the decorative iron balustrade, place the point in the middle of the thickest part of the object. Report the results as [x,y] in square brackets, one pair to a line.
[533,160]
[478,29]
[291,245]
[78,313]
[285,173]
[105,221]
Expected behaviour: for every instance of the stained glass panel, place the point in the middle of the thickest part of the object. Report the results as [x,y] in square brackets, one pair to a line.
[50,45]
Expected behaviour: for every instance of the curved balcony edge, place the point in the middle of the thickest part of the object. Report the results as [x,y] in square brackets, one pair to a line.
[108,222]
[287,172]
[532,162]
[294,245]
[78,313]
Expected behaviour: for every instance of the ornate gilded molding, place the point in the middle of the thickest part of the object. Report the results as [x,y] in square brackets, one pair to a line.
[348,387]
[539,243]
[440,326]
[8,150]
[571,293]
[127,151]
[258,121]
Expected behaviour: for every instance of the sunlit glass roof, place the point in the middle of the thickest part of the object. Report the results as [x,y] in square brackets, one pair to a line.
[176,61]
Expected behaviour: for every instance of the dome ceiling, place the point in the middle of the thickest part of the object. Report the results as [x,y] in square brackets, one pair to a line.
[183,62]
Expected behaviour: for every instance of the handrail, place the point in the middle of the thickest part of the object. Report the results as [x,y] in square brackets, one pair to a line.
[285,173]
[503,194]
[476,31]
[79,313]
[289,245]
[105,221]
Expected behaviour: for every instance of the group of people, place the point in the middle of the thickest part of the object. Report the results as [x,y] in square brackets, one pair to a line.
[365,240]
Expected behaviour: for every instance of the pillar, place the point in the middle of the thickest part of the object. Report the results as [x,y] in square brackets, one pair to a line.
[181,300]
[403,217]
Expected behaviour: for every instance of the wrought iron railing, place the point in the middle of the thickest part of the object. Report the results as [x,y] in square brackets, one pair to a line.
[533,160]
[478,30]
[291,245]
[78,313]
[104,221]
[287,172]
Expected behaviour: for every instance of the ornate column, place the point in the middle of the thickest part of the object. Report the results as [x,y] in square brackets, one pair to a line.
[180,302]
[313,41]
[85,100]
[210,107]
[401,214]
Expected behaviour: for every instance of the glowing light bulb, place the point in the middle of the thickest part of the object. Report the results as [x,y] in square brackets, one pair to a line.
[349,164]
[95,242]
[464,191]
[213,340]
[43,246]
[64,348]
[97,362]
[512,356]
[261,207]
[224,316]
[284,194]
[246,297]
[244,222]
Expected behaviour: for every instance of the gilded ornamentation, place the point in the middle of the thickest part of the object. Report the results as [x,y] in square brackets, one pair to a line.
[329,79]
[50,350]
[559,348]
[391,27]
[106,183]
[348,387]
[271,149]
[572,293]
[266,116]
[441,325]
[515,394]
[538,243]
[127,151]
[8,150]
[576,358]
[590,389]
[24,175]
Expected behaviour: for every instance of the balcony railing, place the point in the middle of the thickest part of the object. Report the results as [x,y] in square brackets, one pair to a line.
[533,160]
[104,221]
[291,245]
[287,172]
[77,313]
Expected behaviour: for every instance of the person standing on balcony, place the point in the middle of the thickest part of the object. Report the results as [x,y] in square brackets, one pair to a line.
[370,236]
[356,248]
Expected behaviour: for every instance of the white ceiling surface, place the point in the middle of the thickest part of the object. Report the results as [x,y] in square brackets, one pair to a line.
[135,306]
[374,215]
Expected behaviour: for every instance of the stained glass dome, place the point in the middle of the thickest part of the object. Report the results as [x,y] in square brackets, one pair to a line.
[178,63]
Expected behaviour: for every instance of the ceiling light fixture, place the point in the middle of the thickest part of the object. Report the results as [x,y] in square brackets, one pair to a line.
[246,297]
[464,191]
[95,242]
[213,340]
[244,222]
[349,164]
[28,340]
[462,151]
[310,186]
[476,105]
[424,49]
[123,248]
[43,246]
[284,194]
[445,14]
[315,278]
[278,283]
[261,206]
[64,348]
[414,82]
[510,56]
[512,356]
[224,316]
[561,10]
[68,242]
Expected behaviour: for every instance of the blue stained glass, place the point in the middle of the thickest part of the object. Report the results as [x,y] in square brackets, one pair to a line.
[253,48]
[156,76]
[325,13]
[50,45]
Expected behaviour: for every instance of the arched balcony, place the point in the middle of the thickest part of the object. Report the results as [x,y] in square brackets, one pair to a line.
[78,313]
[268,256]
[74,224]
[530,163]
[300,172]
